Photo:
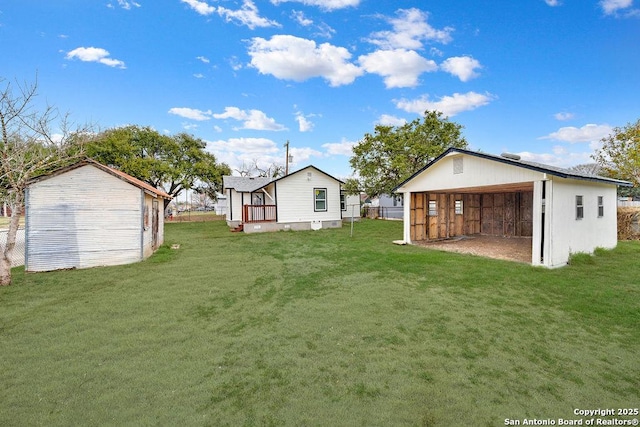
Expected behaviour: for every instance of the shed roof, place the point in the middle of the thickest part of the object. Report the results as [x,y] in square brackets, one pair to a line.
[116,173]
[539,167]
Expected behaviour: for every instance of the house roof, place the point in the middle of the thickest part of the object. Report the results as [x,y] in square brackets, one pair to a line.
[118,174]
[538,167]
[245,184]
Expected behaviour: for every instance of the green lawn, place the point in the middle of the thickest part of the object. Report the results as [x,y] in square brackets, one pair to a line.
[319,329]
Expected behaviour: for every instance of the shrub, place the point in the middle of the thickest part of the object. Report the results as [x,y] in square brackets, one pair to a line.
[628,223]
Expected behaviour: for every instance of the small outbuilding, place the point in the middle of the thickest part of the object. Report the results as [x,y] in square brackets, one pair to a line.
[464,193]
[88,215]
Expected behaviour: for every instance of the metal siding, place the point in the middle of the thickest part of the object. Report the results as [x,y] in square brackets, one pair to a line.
[83,218]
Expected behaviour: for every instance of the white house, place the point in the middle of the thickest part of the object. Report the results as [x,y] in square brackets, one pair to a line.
[465,192]
[306,199]
[89,215]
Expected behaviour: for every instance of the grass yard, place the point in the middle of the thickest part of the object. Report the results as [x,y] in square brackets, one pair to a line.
[319,329]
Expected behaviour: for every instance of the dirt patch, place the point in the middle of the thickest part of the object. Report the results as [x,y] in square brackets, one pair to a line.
[508,248]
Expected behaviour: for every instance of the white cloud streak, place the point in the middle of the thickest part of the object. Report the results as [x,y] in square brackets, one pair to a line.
[247,15]
[344,148]
[410,30]
[449,105]
[95,54]
[252,119]
[328,5]
[191,113]
[564,116]
[587,133]
[389,120]
[611,7]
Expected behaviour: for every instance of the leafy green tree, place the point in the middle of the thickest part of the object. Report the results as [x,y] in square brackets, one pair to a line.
[619,156]
[391,154]
[29,147]
[351,186]
[173,163]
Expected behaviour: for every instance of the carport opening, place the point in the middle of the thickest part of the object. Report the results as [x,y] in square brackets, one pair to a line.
[490,221]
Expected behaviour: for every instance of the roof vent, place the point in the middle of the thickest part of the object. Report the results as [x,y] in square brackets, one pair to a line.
[510,156]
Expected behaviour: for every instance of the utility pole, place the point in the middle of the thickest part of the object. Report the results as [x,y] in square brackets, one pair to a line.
[286,167]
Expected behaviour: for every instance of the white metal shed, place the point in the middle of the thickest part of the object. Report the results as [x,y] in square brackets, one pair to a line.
[87,215]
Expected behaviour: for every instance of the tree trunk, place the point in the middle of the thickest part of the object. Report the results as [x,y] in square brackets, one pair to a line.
[7,254]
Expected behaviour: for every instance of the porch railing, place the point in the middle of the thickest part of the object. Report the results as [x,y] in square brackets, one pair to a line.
[259,213]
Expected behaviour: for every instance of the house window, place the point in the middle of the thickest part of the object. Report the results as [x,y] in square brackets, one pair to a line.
[600,206]
[320,199]
[397,200]
[458,207]
[343,202]
[433,208]
[579,207]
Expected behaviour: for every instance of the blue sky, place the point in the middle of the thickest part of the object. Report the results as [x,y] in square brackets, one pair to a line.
[547,79]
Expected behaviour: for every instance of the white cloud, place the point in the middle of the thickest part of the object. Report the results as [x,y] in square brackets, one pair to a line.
[302,155]
[304,124]
[203,59]
[324,30]
[448,105]
[293,58]
[125,4]
[201,7]
[191,113]
[239,152]
[410,30]
[252,119]
[611,7]
[344,148]
[552,3]
[323,4]
[399,67]
[247,15]
[462,67]
[199,76]
[564,116]
[388,120]
[95,54]
[587,133]
[559,157]
[235,63]
[301,19]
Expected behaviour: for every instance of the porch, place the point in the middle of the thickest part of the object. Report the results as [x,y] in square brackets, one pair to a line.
[259,213]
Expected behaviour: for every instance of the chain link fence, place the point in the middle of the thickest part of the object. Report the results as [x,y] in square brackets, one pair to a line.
[18,250]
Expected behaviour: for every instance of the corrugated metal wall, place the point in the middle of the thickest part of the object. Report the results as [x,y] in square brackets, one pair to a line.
[82,218]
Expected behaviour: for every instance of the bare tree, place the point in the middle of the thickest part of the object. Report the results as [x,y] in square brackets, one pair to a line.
[28,148]
[274,170]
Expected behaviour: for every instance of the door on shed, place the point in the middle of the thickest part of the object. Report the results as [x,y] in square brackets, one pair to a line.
[155,223]
[418,216]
